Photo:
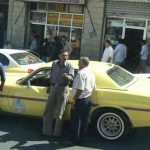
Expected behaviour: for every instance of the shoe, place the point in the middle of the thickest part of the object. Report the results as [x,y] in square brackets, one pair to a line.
[47,136]
[57,137]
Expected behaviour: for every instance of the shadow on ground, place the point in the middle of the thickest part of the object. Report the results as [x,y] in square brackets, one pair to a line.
[21,133]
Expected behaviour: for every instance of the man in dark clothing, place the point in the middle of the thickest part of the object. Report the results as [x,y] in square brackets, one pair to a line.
[44,51]
[2,74]
[57,47]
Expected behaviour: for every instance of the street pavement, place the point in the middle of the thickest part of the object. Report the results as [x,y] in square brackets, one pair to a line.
[22,133]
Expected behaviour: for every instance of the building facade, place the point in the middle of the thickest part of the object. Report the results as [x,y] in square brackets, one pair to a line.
[85,23]
[3,21]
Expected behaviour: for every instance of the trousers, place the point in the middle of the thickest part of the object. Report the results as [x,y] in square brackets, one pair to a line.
[57,100]
[79,119]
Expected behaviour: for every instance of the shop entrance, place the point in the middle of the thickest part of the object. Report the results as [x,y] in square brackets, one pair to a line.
[133,39]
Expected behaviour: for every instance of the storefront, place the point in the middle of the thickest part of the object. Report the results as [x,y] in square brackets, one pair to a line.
[3,21]
[52,18]
[130,21]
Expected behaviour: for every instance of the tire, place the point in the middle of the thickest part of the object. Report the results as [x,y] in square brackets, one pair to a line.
[112,125]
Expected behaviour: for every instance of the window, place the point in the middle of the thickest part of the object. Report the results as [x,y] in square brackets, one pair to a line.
[25,58]
[38,17]
[114,29]
[4,60]
[40,78]
[120,76]
[135,22]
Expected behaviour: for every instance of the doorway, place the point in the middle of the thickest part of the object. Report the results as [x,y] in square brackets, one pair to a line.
[133,38]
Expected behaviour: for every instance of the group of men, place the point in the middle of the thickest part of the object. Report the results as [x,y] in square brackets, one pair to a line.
[118,55]
[62,73]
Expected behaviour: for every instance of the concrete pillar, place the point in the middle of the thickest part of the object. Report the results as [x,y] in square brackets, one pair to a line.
[91,42]
[16,24]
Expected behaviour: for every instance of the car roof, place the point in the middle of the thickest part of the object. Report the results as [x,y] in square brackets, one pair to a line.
[94,65]
[12,51]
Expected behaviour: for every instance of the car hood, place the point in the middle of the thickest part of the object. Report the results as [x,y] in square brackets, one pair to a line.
[141,85]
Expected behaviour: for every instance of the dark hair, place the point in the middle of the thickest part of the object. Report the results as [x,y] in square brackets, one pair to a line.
[63,36]
[57,38]
[108,41]
[63,51]
[143,41]
[121,41]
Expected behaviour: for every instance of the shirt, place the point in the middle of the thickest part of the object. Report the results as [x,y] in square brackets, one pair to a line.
[108,52]
[58,71]
[85,81]
[120,53]
[144,52]
[33,45]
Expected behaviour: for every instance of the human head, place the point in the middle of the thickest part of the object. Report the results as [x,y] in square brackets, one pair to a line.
[143,42]
[83,62]
[63,38]
[107,42]
[56,39]
[121,41]
[63,55]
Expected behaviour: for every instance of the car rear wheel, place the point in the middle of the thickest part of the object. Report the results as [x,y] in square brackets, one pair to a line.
[112,125]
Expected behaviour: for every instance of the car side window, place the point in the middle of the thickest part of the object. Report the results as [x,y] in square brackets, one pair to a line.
[41,78]
[4,60]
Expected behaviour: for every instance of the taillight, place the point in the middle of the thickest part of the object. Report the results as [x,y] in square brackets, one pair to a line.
[30,70]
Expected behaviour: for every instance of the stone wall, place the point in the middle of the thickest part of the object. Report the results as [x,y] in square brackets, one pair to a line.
[91,42]
[16,23]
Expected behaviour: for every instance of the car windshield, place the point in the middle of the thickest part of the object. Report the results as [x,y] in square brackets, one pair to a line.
[25,58]
[120,76]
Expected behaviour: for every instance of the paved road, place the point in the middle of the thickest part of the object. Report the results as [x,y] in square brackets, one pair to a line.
[19,133]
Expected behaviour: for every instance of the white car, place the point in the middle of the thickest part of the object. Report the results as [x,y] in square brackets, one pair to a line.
[19,60]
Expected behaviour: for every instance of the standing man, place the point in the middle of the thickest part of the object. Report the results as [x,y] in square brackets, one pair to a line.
[62,73]
[83,85]
[120,53]
[2,74]
[66,44]
[143,57]
[108,52]
[34,42]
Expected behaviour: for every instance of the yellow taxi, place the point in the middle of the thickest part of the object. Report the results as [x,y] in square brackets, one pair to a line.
[121,100]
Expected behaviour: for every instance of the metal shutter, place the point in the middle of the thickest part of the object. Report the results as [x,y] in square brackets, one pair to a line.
[127,9]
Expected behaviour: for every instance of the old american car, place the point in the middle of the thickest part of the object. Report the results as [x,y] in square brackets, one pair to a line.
[121,100]
[19,61]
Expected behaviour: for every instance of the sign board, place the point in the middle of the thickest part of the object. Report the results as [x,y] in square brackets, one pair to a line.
[56,1]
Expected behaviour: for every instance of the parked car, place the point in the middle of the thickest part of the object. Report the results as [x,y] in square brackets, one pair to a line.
[121,100]
[19,60]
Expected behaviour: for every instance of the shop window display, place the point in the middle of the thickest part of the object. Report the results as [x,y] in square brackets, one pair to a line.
[52,18]
[58,21]
[38,17]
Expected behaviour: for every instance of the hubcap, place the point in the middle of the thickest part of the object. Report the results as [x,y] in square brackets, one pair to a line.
[110,126]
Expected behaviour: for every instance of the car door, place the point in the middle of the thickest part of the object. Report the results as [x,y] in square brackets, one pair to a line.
[29,97]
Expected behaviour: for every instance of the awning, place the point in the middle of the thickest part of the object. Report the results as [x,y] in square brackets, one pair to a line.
[57,1]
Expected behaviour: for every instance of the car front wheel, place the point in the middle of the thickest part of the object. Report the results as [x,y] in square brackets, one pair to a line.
[112,125]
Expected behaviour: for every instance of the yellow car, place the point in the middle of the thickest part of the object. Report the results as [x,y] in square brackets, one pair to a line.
[120,102]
